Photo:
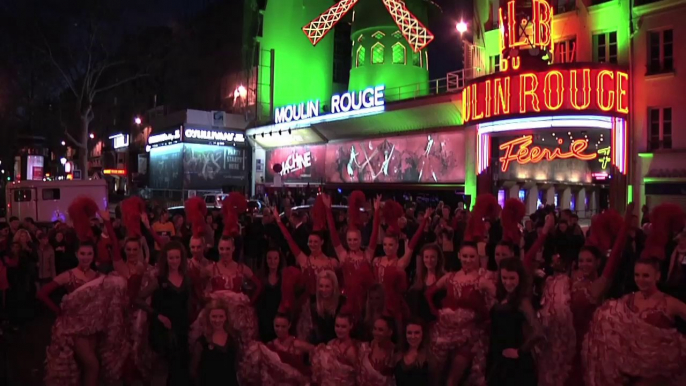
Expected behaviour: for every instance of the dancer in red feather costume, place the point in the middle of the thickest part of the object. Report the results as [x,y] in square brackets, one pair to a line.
[89,338]
[354,262]
[633,340]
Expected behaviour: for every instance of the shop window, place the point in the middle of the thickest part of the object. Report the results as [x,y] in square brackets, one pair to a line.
[378,35]
[605,47]
[378,53]
[51,194]
[22,195]
[660,51]
[361,56]
[660,128]
[495,63]
[399,53]
[522,195]
[565,51]
[557,200]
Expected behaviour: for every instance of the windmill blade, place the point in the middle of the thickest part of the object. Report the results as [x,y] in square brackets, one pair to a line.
[319,27]
[414,31]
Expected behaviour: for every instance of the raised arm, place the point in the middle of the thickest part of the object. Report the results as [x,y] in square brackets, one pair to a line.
[335,239]
[371,248]
[405,260]
[116,248]
[431,291]
[300,257]
[600,285]
[143,295]
[538,244]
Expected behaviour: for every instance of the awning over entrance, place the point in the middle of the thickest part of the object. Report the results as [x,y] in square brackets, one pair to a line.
[430,112]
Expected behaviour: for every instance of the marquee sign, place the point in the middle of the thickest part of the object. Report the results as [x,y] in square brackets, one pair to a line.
[349,104]
[557,89]
[520,150]
[213,136]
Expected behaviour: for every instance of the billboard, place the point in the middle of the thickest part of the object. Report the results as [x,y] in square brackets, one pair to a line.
[433,158]
[211,167]
[300,164]
[166,167]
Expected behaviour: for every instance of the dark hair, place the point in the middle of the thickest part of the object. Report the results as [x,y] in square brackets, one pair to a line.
[422,357]
[567,211]
[318,234]
[574,215]
[563,221]
[469,244]
[419,279]
[264,269]
[14,218]
[163,265]
[507,245]
[513,264]
[29,220]
[282,315]
[390,322]
[651,261]
[593,250]
[347,316]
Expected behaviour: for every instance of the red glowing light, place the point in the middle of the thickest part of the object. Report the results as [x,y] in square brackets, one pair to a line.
[536,154]
[555,90]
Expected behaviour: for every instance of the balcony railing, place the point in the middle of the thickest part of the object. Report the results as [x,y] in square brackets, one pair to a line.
[454,81]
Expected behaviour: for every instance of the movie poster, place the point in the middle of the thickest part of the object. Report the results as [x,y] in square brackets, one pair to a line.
[300,164]
[211,167]
[433,158]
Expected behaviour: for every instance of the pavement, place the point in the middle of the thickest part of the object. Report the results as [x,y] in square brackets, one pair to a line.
[22,352]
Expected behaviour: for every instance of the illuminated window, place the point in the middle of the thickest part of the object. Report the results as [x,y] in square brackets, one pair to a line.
[378,53]
[361,56]
[605,48]
[565,6]
[417,59]
[565,51]
[522,195]
[660,51]
[397,35]
[495,63]
[378,35]
[660,126]
[399,53]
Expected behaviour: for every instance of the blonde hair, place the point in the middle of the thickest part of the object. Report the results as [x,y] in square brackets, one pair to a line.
[329,307]
[17,236]
[205,323]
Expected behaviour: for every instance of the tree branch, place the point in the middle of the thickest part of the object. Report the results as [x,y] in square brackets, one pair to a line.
[72,139]
[117,84]
[67,79]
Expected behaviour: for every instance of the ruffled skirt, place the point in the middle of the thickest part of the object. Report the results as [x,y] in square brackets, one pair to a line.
[456,332]
[620,347]
[329,370]
[260,366]
[97,309]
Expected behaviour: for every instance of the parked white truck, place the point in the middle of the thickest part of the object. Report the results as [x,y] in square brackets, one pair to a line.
[47,201]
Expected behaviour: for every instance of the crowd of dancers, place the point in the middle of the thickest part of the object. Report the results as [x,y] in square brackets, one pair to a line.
[383,296]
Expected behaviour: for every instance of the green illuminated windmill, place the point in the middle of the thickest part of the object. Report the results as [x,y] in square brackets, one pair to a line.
[389,41]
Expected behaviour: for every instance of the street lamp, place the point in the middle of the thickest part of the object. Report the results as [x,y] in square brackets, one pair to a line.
[138,120]
[63,143]
[92,135]
[63,160]
[461,27]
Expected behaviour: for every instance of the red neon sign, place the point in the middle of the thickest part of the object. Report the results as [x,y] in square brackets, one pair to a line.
[555,90]
[517,31]
[536,154]
[116,172]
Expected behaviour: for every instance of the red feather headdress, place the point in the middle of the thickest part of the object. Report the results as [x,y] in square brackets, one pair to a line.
[196,210]
[392,211]
[131,210]
[356,202]
[81,210]
[605,229]
[510,218]
[666,220]
[486,207]
[319,214]
[232,206]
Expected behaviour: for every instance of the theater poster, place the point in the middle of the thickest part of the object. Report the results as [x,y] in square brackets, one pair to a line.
[211,167]
[299,164]
[433,158]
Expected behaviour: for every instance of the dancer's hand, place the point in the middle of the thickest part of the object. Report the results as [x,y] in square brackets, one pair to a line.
[511,353]
[377,202]
[277,215]
[165,321]
[145,220]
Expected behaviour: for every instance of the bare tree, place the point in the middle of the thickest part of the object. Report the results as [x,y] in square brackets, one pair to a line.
[83,46]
